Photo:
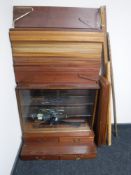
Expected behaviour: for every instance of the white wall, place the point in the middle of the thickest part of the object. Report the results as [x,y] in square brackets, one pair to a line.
[119,27]
[9,125]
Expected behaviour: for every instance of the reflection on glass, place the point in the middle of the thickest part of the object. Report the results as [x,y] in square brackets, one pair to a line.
[56,108]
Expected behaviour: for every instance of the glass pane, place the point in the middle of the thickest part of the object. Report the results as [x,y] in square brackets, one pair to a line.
[42,109]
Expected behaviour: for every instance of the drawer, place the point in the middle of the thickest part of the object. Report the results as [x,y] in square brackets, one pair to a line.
[76,140]
[41,139]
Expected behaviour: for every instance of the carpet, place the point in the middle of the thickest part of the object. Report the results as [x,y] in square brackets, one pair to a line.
[113,160]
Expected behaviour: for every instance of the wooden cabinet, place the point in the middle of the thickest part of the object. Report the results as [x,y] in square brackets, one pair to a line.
[57,56]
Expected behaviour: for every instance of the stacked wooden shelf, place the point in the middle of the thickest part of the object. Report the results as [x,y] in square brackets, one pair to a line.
[56,49]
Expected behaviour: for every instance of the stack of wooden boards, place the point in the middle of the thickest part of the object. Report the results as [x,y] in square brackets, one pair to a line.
[62,48]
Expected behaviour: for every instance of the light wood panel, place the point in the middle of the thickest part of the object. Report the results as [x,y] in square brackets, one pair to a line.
[39,35]
[61,49]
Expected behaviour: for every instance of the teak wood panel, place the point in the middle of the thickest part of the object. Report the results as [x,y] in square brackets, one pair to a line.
[57,49]
[56,62]
[41,35]
[82,68]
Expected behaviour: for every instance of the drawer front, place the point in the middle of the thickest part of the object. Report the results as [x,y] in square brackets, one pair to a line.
[76,140]
[41,139]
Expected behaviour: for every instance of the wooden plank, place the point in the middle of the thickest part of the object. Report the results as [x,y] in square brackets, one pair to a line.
[113,90]
[36,75]
[42,151]
[38,35]
[103,18]
[56,62]
[61,49]
[56,17]
[104,29]
[109,132]
[101,119]
[82,71]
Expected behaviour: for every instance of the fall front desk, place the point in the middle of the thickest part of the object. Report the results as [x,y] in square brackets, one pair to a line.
[59,57]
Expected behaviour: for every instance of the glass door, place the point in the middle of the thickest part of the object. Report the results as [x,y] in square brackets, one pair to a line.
[52,110]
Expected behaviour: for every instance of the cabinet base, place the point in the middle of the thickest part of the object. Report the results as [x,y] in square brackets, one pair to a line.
[57,152]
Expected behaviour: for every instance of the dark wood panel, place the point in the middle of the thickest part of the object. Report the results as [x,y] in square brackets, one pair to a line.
[61,140]
[42,151]
[37,75]
[102,111]
[57,17]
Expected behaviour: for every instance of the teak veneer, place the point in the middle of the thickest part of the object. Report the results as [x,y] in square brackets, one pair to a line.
[63,51]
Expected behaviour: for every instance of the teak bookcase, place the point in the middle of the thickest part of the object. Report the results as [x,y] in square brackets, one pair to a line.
[60,58]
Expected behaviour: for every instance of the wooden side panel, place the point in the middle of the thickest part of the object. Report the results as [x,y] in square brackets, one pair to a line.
[102,112]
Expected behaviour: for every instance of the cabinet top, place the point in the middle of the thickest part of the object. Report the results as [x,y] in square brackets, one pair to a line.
[57,17]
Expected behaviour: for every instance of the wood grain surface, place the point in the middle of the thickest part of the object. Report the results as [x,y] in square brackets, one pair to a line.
[56,17]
